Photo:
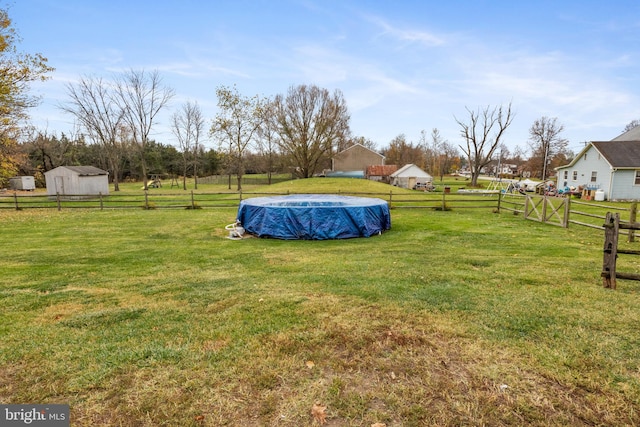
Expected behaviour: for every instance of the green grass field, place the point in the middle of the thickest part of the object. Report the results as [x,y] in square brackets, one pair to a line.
[462,317]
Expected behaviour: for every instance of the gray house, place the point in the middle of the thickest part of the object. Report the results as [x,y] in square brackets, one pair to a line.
[77,181]
[356,159]
[609,169]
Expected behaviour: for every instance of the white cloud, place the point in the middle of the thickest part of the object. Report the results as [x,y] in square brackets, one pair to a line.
[424,38]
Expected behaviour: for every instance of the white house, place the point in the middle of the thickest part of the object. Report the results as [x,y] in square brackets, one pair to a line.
[609,167]
[77,181]
[409,176]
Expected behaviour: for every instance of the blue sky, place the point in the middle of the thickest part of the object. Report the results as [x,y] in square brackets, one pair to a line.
[403,66]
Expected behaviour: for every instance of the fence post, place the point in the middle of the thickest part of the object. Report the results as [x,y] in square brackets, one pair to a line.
[193,203]
[544,209]
[390,196]
[499,199]
[567,210]
[15,198]
[526,206]
[146,199]
[101,205]
[58,201]
[633,211]
[610,250]
[444,203]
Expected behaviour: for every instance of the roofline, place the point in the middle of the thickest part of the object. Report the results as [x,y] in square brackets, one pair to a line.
[357,143]
[581,153]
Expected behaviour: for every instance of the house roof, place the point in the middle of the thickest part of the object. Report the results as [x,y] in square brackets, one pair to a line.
[620,153]
[630,135]
[85,170]
[381,170]
[356,145]
[415,170]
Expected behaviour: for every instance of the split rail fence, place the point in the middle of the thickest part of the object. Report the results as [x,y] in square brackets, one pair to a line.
[612,227]
[152,199]
[559,211]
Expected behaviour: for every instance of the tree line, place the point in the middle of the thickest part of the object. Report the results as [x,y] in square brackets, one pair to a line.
[297,132]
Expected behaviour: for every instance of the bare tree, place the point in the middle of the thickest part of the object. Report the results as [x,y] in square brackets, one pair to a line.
[93,104]
[545,141]
[187,125]
[365,142]
[440,154]
[311,122]
[141,96]
[236,124]
[632,124]
[482,135]
[401,152]
[267,138]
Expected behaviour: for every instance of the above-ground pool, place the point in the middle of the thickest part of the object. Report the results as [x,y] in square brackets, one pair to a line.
[314,216]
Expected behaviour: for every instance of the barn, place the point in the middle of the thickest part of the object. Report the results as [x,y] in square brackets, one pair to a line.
[77,182]
[356,159]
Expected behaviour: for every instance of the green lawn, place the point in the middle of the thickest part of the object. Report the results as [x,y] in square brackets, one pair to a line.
[461,317]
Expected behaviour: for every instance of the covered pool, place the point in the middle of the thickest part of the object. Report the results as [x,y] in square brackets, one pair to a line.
[314,216]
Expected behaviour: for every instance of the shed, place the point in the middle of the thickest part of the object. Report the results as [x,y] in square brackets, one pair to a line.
[22,183]
[77,181]
[409,176]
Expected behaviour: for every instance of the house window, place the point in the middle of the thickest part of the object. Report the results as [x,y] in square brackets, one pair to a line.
[594,176]
[584,157]
[637,180]
[566,174]
[575,175]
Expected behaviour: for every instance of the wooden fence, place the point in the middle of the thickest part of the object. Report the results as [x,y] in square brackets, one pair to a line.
[611,250]
[562,211]
[557,211]
[156,199]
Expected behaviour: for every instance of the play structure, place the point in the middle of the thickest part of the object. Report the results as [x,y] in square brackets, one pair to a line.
[314,216]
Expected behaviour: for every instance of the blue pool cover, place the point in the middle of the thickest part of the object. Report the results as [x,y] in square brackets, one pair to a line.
[314,216]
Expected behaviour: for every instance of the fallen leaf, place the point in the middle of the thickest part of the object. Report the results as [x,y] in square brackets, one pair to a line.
[378,425]
[319,414]
[199,418]
[310,364]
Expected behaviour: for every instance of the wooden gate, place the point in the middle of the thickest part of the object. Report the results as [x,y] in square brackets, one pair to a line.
[550,210]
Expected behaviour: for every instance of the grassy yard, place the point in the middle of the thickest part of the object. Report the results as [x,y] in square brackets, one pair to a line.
[461,317]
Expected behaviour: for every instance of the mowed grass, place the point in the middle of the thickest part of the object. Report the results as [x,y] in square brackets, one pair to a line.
[463,317]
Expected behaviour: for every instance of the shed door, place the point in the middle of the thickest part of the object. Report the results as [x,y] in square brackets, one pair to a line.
[59,184]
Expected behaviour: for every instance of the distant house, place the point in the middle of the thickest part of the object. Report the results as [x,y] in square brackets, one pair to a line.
[409,176]
[380,173]
[612,167]
[77,181]
[355,158]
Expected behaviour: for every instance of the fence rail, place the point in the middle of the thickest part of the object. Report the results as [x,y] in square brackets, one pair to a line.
[156,199]
[612,227]
[550,210]
[561,211]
